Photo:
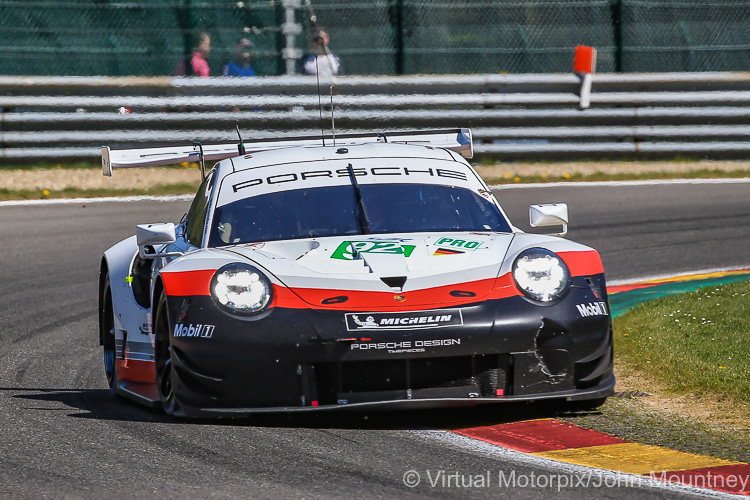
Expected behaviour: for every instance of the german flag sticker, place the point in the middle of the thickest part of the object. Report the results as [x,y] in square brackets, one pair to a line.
[446,251]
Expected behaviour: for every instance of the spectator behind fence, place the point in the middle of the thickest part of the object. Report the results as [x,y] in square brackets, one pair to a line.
[320,60]
[240,65]
[198,65]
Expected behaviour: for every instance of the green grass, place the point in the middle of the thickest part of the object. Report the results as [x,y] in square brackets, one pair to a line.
[49,165]
[634,420]
[159,190]
[696,343]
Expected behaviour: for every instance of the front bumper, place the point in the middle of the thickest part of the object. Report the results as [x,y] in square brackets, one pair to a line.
[503,350]
[602,390]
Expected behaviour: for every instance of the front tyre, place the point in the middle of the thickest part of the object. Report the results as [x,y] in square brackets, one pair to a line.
[165,374]
[107,333]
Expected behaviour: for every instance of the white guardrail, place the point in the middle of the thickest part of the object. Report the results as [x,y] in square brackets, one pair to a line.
[512,117]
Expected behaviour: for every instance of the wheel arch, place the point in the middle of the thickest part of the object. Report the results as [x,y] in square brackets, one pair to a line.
[129,316]
[158,289]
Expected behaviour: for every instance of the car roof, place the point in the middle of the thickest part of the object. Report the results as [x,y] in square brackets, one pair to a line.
[310,167]
[332,152]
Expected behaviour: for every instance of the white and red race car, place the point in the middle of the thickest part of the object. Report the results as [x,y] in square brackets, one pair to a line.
[376,270]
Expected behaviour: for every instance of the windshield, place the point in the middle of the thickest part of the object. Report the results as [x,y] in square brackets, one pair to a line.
[334,211]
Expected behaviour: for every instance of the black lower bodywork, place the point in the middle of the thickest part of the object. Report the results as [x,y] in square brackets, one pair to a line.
[510,349]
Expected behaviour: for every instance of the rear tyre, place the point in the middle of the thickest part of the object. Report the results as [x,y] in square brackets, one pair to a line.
[107,332]
[165,374]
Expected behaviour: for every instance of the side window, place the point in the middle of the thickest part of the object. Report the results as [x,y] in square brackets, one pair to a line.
[196,216]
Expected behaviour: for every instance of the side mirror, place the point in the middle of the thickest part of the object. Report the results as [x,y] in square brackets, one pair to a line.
[150,235]
[553,214]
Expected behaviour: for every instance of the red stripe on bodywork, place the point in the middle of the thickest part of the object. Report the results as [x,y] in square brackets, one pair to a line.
[505,286]
[584,263]
[193,283]
[285,297]
[428,298]
[188,282]
[539,435]
[129,370]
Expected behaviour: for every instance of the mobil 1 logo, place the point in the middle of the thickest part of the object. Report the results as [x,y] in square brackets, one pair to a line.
[592,309]
[194,331]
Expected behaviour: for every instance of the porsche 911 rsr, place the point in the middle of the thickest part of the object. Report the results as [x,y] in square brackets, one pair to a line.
[379,271]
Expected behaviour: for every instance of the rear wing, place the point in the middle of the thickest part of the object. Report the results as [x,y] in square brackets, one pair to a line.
[458,140]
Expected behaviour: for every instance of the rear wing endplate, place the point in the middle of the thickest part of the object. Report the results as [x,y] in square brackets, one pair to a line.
[458,140]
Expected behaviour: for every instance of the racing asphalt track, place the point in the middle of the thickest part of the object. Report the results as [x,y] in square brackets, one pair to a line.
[64,436]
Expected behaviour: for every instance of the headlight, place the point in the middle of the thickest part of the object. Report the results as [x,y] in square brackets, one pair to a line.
[540,274]
[241,289]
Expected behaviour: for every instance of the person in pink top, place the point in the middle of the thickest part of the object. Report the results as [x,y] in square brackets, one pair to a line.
[198,64]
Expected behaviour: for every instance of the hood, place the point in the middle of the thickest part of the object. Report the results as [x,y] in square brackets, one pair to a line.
[422,269]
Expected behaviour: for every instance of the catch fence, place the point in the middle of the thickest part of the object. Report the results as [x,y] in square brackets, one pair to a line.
[376,37]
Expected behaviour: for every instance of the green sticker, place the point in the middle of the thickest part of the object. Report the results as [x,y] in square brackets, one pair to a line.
[348,250]
[456,243]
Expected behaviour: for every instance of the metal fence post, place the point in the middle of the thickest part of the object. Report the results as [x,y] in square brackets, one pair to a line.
[185,19]
[396,15]
[525,45]
[617,28]
[290,29]
[691,66]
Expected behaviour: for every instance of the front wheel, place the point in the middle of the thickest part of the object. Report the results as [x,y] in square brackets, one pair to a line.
[165,375]
[107,332]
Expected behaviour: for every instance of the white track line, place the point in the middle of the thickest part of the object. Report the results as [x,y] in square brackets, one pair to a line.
[109,199]
[653,182]
[642,279]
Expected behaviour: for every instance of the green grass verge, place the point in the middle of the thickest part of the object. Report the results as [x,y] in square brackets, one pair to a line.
[50,165]
[159,190]
[695,343]
[634,420]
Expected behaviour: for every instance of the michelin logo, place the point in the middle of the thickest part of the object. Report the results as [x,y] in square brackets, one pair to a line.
[404,321]
[593,309]
[369,322]
[201,331]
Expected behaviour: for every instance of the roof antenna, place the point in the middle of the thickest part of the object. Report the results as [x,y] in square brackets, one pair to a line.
[202,159]
[333,124]
[241,145]
[320,102]
[315,27]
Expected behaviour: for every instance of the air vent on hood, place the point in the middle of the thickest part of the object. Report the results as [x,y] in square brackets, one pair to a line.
[394,281]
